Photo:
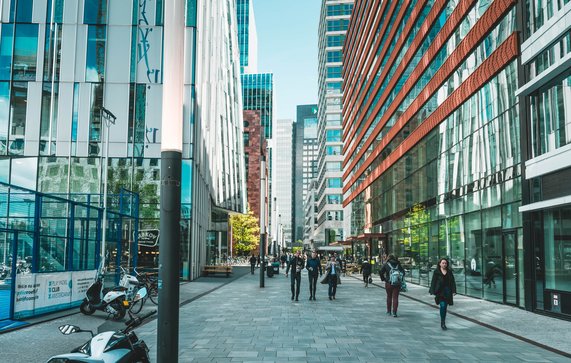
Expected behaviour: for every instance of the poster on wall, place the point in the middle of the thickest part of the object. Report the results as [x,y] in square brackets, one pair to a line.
[81,282]
[26,292]
[40,293]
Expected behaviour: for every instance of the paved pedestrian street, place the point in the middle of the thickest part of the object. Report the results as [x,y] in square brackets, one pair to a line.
[241,322]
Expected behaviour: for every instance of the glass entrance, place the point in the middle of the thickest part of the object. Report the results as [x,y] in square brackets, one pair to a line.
[510,267]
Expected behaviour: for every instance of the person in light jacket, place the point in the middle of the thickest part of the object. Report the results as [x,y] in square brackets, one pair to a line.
[332,277]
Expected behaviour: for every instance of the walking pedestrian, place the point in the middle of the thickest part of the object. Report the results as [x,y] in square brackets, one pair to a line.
[366,271]
[392,273]
[314,269]
[252,263]
[296,264]
[443,286]
[258,261]
[332,277]
[283,259]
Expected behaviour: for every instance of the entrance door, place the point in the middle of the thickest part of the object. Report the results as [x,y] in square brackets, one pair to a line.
[6,253]
[510,267]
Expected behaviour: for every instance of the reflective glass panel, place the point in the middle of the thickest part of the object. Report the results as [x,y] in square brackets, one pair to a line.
[95,60]
[6,51]
[25,52]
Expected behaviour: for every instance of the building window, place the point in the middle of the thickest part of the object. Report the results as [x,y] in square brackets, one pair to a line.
[333,135]
[25,52]
[95,12]
[95,60]
[334,72]
[246,139]
[334,57]
[334,183]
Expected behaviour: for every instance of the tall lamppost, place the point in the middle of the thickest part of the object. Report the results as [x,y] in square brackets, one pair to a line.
[262,219]
[109,118]
[171,175]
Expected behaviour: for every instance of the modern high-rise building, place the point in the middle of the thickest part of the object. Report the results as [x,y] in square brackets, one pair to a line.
[333,23]
[283,182]
[63,64]
[305,163]
[545,109]
[432,140]
[247,36]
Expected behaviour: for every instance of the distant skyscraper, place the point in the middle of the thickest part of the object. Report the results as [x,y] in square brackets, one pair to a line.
[305,166]
[258,95]
[283,181]
[334,19]
[247,36]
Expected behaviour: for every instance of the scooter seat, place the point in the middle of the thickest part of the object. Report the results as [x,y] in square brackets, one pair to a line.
[117,288]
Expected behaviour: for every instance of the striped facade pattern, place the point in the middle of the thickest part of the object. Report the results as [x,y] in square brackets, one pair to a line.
[359,158]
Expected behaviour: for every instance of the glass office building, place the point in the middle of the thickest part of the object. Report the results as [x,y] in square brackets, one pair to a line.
[63,62]
[247,36]
[333,23]
[431,131]
[545,101]
[305,165]
[284,161]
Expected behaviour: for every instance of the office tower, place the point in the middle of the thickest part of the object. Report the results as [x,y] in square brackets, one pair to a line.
[247,36]
[432,153]
[283,182]
[545,96]
[64,63]
[305,167]
[334,19]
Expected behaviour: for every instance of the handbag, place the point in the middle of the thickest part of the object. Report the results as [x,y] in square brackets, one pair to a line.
[403,286]
[370,280]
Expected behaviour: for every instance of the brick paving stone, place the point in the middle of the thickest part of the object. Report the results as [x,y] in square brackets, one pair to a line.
[249,323]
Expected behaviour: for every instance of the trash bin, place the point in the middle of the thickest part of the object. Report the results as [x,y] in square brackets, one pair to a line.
[270,271]
[276,268]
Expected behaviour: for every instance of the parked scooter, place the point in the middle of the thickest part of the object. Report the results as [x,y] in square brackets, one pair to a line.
[110,346]
[112,301]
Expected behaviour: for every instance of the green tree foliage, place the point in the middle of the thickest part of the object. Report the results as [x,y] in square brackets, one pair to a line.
[245,232]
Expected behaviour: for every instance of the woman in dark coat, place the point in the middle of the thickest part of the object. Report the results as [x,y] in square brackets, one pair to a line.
[443,286]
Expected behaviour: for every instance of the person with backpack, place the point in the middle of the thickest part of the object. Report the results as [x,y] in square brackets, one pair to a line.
[392,273]
[443,286]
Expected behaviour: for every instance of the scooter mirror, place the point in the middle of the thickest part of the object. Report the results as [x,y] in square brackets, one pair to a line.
[68,329]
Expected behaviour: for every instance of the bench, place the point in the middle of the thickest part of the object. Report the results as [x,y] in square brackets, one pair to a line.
[214,269]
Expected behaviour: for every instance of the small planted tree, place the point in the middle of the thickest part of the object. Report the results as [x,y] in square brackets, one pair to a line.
[245,232]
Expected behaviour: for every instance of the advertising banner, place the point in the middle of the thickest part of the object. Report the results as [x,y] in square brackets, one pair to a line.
[41,293]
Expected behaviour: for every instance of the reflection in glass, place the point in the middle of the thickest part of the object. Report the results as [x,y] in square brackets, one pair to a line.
[6,51]
[95,59]
[18,117]
[25,52]
[4,116]
[95,12]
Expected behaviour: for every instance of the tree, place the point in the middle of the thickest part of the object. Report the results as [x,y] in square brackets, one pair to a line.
[245,232]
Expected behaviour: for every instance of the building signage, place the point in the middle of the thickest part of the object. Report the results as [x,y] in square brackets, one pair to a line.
[148,237]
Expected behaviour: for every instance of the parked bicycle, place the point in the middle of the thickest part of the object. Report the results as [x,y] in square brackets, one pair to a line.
[150,282]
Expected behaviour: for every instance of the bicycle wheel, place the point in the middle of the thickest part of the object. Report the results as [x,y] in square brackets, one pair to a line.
[137,305]
[154,294]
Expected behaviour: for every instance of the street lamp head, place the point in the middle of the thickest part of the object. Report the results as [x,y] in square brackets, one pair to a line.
[108,116]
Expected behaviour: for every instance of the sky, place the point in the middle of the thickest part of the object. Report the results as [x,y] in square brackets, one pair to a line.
[287,47]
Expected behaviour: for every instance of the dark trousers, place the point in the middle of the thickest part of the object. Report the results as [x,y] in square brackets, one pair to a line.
[295,282]
[332,285]
[392,297]
[312,284]
[252,267]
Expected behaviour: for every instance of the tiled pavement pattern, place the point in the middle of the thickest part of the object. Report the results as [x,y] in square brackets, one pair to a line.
[239,322]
